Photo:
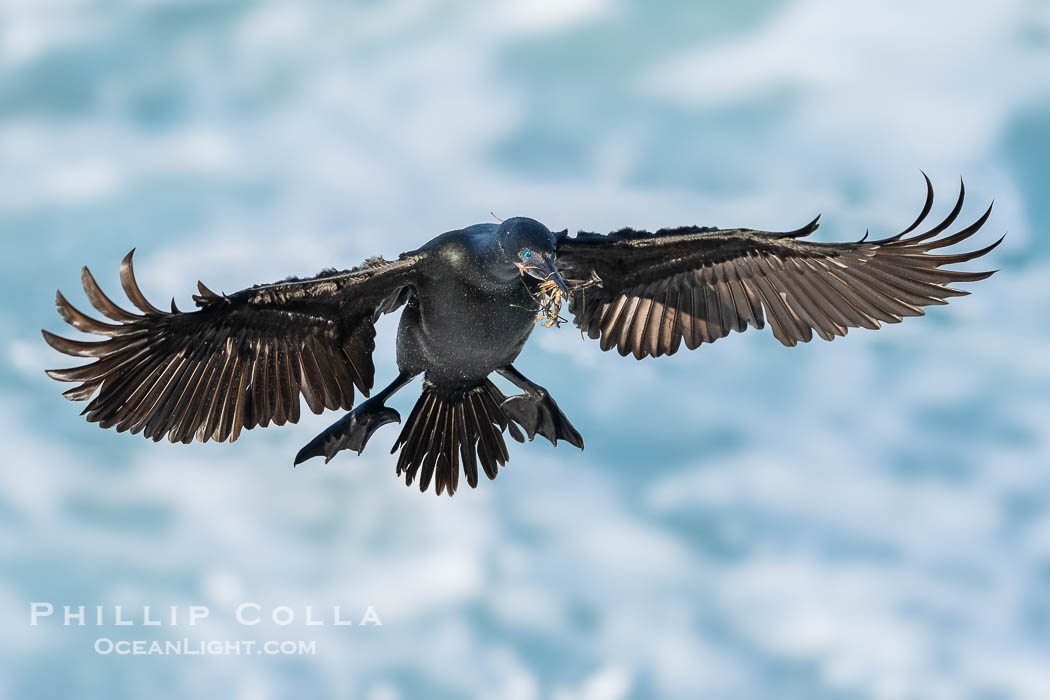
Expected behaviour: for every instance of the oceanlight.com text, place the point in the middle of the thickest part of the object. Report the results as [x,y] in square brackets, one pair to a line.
[200,647]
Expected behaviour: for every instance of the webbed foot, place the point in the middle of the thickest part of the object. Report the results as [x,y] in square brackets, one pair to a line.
[351,432]
[538,414]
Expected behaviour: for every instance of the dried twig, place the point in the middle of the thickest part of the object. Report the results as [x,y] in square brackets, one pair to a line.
[551,297]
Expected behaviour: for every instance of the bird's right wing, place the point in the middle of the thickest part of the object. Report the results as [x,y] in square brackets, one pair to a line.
[238,361]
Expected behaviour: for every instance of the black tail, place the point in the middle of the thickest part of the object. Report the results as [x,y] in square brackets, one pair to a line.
[449,427]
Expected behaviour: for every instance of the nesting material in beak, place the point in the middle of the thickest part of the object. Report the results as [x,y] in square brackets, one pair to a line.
[545,271]
[550,297]
[551,294]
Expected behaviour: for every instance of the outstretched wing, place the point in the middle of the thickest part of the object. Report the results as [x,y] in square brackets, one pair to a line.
[698,284]
[239,360]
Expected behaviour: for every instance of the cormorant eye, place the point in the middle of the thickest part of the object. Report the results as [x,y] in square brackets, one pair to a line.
[526,253]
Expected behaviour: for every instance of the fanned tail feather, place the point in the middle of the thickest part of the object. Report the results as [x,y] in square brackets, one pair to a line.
[449,428]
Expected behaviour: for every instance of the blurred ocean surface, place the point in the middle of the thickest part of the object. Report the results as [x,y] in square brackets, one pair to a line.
[868,518]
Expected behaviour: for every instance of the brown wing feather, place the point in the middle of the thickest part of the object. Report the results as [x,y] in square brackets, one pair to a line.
[699,284]
[238,361]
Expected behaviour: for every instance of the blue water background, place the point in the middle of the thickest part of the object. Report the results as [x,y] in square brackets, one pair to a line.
[868,518]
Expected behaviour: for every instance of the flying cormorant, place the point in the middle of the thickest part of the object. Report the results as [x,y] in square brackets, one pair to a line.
[470,300]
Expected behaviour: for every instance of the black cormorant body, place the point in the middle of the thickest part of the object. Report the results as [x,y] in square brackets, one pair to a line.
[474,309]
[470,300]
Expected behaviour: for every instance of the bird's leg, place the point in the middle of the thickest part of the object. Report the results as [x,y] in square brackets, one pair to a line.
[352,431]
[536,411]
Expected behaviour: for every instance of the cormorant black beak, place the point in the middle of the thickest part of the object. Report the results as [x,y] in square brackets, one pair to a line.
[545,270]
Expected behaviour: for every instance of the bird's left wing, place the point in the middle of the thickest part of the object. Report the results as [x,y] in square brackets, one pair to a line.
[239,360]
[698,284]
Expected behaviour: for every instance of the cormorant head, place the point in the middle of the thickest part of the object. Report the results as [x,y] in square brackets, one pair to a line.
[531,247]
